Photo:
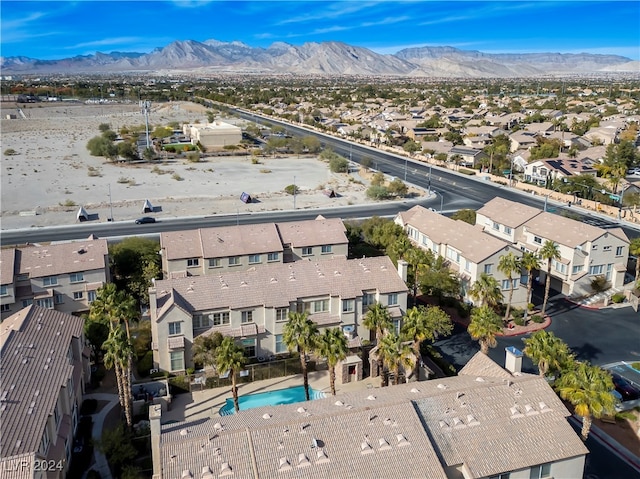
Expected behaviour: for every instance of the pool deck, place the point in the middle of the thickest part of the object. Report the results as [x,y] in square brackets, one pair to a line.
[205,403]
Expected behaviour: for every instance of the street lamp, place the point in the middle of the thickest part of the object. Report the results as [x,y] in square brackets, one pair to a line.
[110,203]
[405,168]
[294,192]
[441,199]
[429,183]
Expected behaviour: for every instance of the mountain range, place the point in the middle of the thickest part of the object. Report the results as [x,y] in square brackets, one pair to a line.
[326,58]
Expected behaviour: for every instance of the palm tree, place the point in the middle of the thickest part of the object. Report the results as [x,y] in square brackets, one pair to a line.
[395,354]
[550,251]
[508,265]
[332,344]
[484,326]
[529,261]
[118,352]
[417,258]
[589,388]
[634,249]
[486,290]
[378,319]
[230,357]
[422,323]
[550,352]
[300,334]
[111,360]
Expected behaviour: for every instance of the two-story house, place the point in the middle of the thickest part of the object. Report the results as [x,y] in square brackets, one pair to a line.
[64,276]
[541,171]
[468,250]
[45,367]
[586,251]
[253,305]
[213,250]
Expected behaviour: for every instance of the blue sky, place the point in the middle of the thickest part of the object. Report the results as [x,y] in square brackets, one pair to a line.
[56,29]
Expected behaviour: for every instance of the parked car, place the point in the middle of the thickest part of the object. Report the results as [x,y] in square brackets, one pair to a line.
[627,390]
[145,220]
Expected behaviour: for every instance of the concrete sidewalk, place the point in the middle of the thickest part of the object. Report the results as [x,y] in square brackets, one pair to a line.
[101,464]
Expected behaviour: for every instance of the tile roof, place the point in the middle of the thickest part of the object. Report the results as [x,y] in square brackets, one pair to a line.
[221,242]
[507,212]
[386,432]
[33,359]
[278,284]
[565,231]
[320,231]
[72,257]
[7,265]
[474,244]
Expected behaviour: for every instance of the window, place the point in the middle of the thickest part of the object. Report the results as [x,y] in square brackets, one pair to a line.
[91,296]
[234,260]
[488,268]
[254,258]
[177,360]
[78,295]
[608,273]
[307,251]
[392,299]
[221,318]
[56,415]
[467,265]
[596,269]
[434,248]
[5,308]
[424,240]
[249,346]
[175,327]
[193,262]
[273,257]
[347,305]
[44,442]
[619,250]
[606,248]
[504,475]
[3,290]
[58,299]
[247,316]
[22,277]
[280,346]
[326,248]
[27,302]
[45,303]
[214,262]
[50,280]
[320,306]
[594,247]
[537,240]
[453,255]
[507,230]
[541,471]
[282,314]
[496,226]
[506,284]
[577,269]
[76,277]
[368,299]
[559,267]
[202,321]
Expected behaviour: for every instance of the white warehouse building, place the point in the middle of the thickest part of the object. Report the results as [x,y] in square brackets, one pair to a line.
[211,135]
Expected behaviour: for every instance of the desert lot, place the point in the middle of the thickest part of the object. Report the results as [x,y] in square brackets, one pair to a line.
[52,173]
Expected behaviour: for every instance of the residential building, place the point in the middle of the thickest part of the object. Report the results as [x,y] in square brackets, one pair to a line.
[45,366]
[63,276]
[466,156]
[253,305]
[212,250]
[468,249]
[211,135]
[522,140]
[541,171]
[484,423]
[586,251]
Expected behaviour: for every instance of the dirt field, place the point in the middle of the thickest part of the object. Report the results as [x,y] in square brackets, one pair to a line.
[52,173]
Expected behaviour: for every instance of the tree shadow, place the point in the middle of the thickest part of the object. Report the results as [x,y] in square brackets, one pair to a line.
[586,352]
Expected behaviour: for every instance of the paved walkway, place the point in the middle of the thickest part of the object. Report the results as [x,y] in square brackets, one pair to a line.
[101,464]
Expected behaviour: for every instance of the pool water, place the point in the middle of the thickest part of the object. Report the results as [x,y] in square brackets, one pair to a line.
[270,398]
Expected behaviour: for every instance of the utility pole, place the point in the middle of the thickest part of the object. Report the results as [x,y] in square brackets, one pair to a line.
[429,183]
[110,203]
[294,192]
[405,168]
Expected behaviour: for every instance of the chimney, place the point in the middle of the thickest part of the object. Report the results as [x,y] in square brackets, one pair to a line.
[155,412]
[513,360]
[402,269]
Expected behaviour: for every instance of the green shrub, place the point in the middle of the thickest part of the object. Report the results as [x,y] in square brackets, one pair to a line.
[464,171]
[145,364]
[10,152]
[517,313]
[193,157]
[377,192]
[179,385]
[177,177]
[636,365]
[518,321]
[618,298]
[536,318]
[339,165]
[599,284]
[291,189]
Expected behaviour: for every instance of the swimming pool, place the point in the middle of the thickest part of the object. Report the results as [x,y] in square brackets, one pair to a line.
[270,398]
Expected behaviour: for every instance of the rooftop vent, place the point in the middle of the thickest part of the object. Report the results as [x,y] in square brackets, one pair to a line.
[273,280]
[303,460]
[266,416]
[515,412]
[543,407]
[82,251]
[457,423]
[243,284]
[365,447]
[479,379]
[337,273]
[321,457]
[383,444]
[207,473]
[402,440]
[284,464]
[339,403]
[472,421]
[186,474]
[442,386]
[529,410]
[443,424]
[184,432]
[225,469]
[218,427]
[301,410]
[371,397]
[415,390]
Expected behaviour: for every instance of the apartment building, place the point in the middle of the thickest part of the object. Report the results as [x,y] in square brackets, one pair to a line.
[253,305]
[486,422]
[64,276]
[586,251]
[45,367]
[468,250]
[212,250]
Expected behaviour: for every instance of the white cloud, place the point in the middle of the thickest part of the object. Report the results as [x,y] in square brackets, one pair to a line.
[126,41]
